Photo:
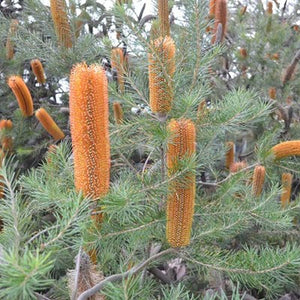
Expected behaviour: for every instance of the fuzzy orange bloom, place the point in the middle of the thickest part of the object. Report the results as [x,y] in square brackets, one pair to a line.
[180,205]
[270,8]
[9,43]
[118,63]
[163,16]
[286,149]
[212,9]
[238,166]
[6,140]
[118,112]
[89,129]
[243,53]
[272,93]
[38,70]
[6,124]
[258,180]
[49,124]
[286,181]
[229,158]
[220,17]
[161,71]
[61,22]
[22,94]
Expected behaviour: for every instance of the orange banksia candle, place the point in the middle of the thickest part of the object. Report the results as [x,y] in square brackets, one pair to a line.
[229,158]
[272,93]
[180,205]
[61,22]
[161,71]
[117,62]
[212,9]
[220,18]
[238,166]
[286,149]
[38,70]
[270,8]
[243,53]
[6,124]
[22,94]
[49,124]
[163,16]
[6,140]
[118,112]
[89,129]
[9,43]
[258,180]
[286,181]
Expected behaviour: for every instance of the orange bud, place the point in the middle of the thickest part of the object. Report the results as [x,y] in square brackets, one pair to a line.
[9,43]
[258,180]
[22,94]
[49,124]
[238,166]
[272,93]
[270,8]
[275,56]
[229,159]
[286,149]
[117,62]
[6,124]
[38,70]
[220,17]
[212,9]
[163,16]
[286,181]
[296,28]
[243,53]
[118,112]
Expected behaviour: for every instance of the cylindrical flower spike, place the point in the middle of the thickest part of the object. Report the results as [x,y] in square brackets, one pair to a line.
[61,22]
[220,18]
[238,166]
[163,16]
[117,62]
[212,9]
[49,124]
[6,124]
[229,158]
[6,140]
[180,205]
[258,180]
[22,94]
[286,181]
[118,112]
[270,8]
[243,53]
[38,70]
[272,93]
[161,71]
[9,43]
[289,72]
[89,129]
[286,149]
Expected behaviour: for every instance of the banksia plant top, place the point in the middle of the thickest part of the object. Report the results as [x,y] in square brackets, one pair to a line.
[161,71]
[286,181]
[89,129]
[258,180]
[49,124]
[163,16]
[22,94]
[118,112]
[286,149]
[117,62]
[220,18]
[229,158]
[61,22]
[180,205]
[6,140]
[9,43]
[38,70]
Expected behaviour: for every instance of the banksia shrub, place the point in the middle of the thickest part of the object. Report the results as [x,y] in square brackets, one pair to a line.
[49,124]
[220,18]
[117,62]
[61,22]
[286,149]
[6,140]
[272,93]
[258,180]
[21,91]
[89,129]
[161,71]
[118,112]
[286,182]
[9,43]
[163,16]
[180,205]
[38,70]
[238,166]
[229,158]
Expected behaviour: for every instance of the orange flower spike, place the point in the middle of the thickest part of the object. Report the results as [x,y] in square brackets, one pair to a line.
[243,53]
[6,141]
[161,65]
[163,16]
[180,205]
[118,112]
[258,180]
[117,62]
[9,43]
[22,94]
[286,149]
[289,72]
[6,124]
[270,8]
[61,22]
[238,166]
[272,93]
[89,129]
[220,17]
[38,71]
[243,10]
[49,124]
[212,9]
[286,181]
[229,158]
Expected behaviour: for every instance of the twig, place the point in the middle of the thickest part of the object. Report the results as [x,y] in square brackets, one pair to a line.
[117,277]
[77,271]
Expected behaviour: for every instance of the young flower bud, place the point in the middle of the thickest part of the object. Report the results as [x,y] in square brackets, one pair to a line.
[9,43]
[117,63]
[272,93]
[163,16]
[229,158]
[38,70]
[118,112]
[286,181]
[258,180]
[238,166]
[220,18]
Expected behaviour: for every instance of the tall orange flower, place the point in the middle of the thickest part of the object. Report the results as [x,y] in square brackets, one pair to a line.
[243,53]
[161,71]
[118,112]
[89,129]
[49,124]
[9,43]
[22,94]
[6,140]
[286,149]
[180,205]
[270,8]
[61,22]
[286,181]
[212,9]
[272,93]
[258,180]
[38,70]
[117,62]
[229,158]
[220,18]
[163,16]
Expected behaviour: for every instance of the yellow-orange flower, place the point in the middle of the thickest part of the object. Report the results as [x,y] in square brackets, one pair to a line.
[118,112]
[243,53]
[163,16]
[220,18]
[270,8]
[258,180]
[22,94]
[286,181]
[212,9]
[49,124]
[180,205]
[9,43]
[38,70]
[229,158]
[117,62]
[272,93]
[89,129]
[286,149]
